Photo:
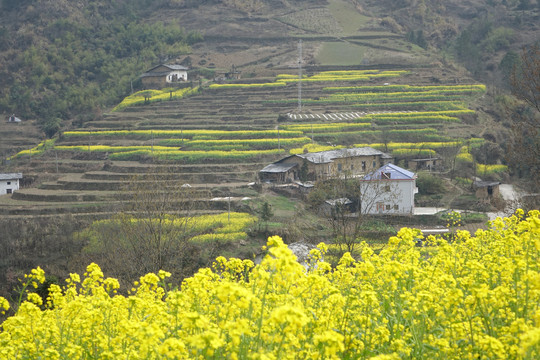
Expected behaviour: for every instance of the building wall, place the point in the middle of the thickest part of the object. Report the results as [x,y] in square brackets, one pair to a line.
[357,165]
[162,81]
[487,192]
[354,165]
[388,197]
[9,186]
[157,82]
[180,75]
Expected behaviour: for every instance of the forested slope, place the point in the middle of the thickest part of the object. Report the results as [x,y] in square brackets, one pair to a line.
[64,60]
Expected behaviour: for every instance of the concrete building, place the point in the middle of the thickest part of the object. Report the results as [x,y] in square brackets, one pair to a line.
[388,190]
[9,183]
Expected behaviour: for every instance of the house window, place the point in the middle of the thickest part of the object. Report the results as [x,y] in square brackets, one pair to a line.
[339,167]
[352,167]
[396,207]
[9,182]
[363,166]
[374,163]
[387,207]
[386,188]
[9,191]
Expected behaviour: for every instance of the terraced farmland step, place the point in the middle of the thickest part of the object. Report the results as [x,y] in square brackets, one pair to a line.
[69,199]
[139,168]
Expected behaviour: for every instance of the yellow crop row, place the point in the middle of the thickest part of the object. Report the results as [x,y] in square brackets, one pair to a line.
[144,96]
[246,86]
[306,128]
[314,148]
[200,134]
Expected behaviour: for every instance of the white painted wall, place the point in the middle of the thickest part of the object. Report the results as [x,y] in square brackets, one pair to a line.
[399,200]
[180,74]
[6,185]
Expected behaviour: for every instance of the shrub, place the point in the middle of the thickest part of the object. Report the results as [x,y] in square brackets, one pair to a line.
[429,184]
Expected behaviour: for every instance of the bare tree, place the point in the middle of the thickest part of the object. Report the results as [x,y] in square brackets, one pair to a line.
[525,80]
[151,231]
[524,149]
[350,202]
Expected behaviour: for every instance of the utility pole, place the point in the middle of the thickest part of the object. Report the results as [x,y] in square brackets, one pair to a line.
[299,76]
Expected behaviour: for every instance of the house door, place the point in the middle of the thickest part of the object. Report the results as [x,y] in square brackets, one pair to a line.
[380,207]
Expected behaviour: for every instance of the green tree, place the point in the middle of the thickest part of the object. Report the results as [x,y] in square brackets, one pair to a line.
[303,174]
[265,214]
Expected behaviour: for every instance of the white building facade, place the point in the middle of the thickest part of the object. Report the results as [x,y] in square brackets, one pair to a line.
[388,190]
[9,183]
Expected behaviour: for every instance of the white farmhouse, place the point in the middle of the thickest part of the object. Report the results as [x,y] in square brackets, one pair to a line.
[9,183]
[164,75]
[388,190]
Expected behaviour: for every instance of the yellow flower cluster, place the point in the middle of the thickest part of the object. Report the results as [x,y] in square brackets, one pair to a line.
[464,155]
[41,147]
[477,297]
[483,169]
[347,75]
[224,227]
[414,152]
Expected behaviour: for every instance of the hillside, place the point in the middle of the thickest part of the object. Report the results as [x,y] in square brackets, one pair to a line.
[64,61]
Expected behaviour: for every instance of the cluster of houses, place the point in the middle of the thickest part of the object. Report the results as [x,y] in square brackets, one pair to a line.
[386,188]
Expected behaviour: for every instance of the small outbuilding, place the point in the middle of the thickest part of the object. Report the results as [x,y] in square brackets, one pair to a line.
[334,206]
[423,164]
[486,190]
[164,75]
[14,119]
[9,183]
[279,172]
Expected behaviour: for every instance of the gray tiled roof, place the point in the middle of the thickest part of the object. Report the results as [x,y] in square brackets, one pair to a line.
[11,176]
[396,173]
[480,184]
[328,156]
[278,167]
[151,72]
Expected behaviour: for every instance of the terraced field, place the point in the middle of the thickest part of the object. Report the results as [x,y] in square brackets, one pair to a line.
[215,138]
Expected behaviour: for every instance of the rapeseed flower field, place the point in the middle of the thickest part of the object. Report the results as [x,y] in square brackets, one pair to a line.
[474,297]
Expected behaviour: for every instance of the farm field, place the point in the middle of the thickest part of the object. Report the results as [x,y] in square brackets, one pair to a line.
[216,138]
